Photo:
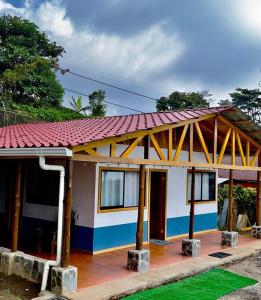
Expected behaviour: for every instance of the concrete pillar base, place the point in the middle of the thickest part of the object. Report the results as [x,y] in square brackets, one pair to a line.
[229,238]
[191,247]
[2,250]
[7,262]
[256,232]
[138,260]
[63,280]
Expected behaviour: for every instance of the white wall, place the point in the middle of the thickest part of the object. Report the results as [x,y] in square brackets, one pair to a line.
[84,192]
[176,193]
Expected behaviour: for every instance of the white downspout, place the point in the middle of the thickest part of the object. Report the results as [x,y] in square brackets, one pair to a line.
[56,262]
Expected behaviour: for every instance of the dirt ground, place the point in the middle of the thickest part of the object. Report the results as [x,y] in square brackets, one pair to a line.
[249,268]
[14,288]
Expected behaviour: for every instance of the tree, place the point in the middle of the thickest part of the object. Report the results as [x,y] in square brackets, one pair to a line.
[77,105]
[97,106]
[27,64]
[182,100]
[225,102]
[248,101]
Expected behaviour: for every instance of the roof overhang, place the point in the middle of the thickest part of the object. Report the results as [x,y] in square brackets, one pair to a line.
[36,152]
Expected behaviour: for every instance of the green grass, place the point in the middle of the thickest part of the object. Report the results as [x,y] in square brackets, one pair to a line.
[206,286]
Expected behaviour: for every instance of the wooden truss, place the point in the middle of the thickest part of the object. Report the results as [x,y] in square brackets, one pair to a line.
[232,141]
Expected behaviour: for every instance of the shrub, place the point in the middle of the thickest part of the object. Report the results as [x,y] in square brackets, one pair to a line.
[47,113]
[245,199]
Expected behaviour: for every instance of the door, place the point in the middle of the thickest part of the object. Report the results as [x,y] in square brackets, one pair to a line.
[158,185]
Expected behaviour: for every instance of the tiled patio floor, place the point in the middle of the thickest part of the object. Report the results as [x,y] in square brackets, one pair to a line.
[96,269]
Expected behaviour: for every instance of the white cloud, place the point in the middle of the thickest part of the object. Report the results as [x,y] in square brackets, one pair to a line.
[52,18]
[138,56]
[247,14]
[4,5]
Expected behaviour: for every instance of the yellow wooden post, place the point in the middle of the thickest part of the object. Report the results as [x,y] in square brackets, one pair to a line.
[192,204]
[16,209]
[67,216]
[258,195]
[230,202]
[139,234]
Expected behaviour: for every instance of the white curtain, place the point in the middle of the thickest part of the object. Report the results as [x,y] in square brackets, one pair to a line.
[189,186]
[197,186]
[131,191]
[112,188]
[205,186]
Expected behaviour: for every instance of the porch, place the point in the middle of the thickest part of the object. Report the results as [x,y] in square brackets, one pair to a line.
[109,266]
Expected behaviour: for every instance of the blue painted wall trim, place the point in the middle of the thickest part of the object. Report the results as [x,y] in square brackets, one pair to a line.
[180,225]
[95,239]
[82,238]
[117,235]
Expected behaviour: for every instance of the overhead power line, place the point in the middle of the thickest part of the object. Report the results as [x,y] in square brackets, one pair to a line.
[109,102]
[64,71]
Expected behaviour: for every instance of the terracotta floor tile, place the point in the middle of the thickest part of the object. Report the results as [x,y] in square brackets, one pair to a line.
[95,269]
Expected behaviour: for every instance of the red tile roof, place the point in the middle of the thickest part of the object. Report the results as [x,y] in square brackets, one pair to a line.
[76,132]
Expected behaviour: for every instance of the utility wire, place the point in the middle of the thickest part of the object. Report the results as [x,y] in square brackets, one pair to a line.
[112,103]
[64,71]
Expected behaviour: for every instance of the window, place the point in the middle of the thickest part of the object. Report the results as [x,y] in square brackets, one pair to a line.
[119,189]
[205,186]
[42,187]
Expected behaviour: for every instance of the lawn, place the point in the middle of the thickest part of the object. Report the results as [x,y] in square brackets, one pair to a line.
[210,285]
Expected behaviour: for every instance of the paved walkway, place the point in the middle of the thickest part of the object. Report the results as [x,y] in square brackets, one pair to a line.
[167,265]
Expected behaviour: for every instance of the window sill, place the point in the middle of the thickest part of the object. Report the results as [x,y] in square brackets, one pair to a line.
[110,210]
[202,202]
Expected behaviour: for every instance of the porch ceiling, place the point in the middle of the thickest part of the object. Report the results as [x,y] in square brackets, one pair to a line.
[242,121]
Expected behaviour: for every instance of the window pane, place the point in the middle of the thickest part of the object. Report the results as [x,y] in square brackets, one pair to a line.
[131,190]
[205,186]
[112,189]
[197,186]
[189,186]
[212,186]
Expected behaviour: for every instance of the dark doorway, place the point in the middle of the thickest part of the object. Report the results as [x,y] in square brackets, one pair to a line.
[158,186]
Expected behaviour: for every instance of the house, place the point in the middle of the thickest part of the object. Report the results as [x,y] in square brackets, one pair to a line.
[242,178]
[158,167]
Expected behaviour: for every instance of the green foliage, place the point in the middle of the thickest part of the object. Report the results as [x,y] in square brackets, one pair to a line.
[46,113]
[248,101]
[245,199]
[27,64]
[182,100]
[225,102]
[76,104]
[97,106]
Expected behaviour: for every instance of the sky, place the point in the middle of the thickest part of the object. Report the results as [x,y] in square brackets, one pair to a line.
[152,47]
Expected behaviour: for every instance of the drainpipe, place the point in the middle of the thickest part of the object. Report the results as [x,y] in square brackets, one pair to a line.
[56,262]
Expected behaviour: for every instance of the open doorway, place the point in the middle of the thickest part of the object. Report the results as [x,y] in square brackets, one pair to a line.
[158,187]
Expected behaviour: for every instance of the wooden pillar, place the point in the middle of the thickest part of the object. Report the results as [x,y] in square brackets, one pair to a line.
[258,195]
[16,209]
[67,215]
[192,204]
[230,202]
[139,234]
